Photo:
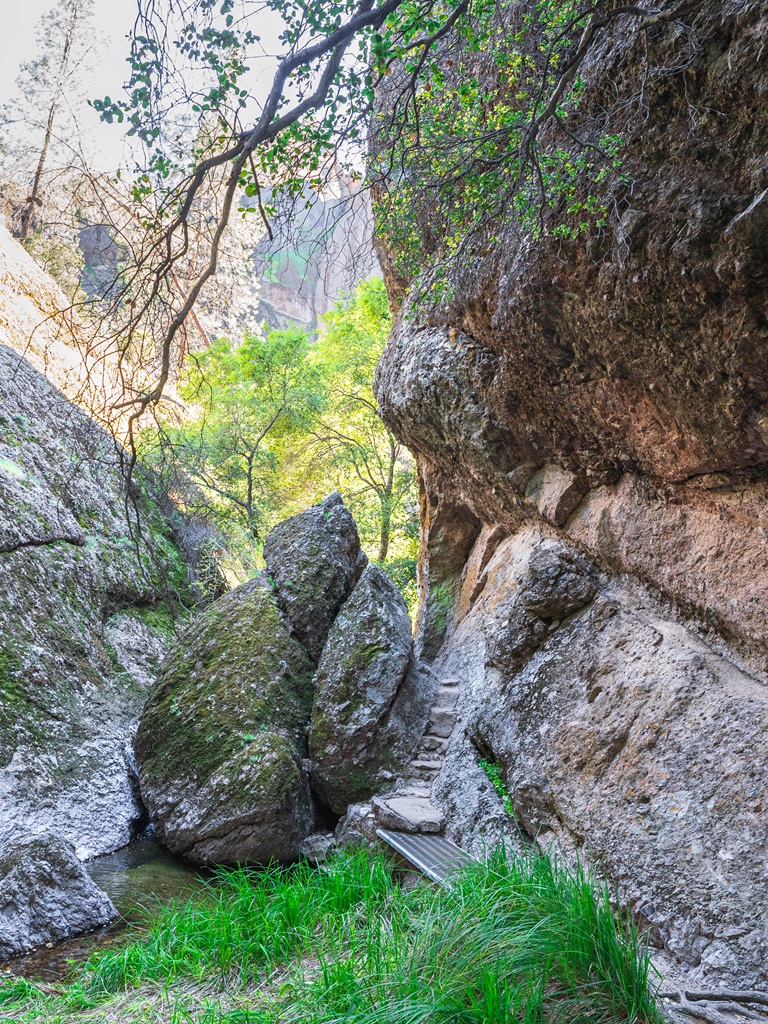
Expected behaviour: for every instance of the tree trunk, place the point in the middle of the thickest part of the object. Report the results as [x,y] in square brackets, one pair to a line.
[385,497]
[386,526]
[33,199]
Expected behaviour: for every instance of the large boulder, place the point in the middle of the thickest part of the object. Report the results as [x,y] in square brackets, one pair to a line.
[370,700]
[220,743]
[313,560]
[84,619]
[45,894]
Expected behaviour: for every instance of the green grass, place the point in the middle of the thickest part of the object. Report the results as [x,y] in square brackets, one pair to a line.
[520,938]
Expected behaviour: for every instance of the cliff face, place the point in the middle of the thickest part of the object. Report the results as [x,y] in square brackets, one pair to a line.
[82,618]
[597,409]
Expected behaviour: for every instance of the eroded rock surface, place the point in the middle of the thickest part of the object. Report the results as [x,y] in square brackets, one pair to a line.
[220,744]
[314,559]
[46,894]
[623,737]
[599,404]
[83,623]
[370,701]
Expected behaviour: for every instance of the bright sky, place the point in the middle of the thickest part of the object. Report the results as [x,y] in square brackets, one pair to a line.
[114,20]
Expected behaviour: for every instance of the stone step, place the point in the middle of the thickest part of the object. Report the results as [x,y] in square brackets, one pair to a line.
[408,814]
[430,744]
[425,769]
[441,722]
[414,787]
[448,696]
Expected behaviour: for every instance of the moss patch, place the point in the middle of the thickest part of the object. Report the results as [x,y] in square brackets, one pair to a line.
[235,673]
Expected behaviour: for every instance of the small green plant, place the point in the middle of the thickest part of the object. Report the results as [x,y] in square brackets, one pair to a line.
[493,770]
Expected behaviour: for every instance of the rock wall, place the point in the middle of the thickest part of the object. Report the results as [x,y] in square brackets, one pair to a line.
[589,419]
[83,620]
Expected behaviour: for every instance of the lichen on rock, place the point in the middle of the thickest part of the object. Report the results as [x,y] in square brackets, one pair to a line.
[370,701]
[221,740]
[313,561]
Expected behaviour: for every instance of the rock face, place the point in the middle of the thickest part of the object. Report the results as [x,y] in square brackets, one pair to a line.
[589,418]
[83,619]
[314,560]
[46,894]
[370,702]
[220,743]
[622,736]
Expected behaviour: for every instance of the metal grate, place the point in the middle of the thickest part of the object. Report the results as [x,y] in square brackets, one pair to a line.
[435,856]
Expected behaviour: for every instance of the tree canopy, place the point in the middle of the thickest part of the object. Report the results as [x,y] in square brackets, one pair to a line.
[354,76]
[274,423]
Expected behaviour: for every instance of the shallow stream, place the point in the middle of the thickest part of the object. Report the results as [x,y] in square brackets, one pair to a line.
[136,878]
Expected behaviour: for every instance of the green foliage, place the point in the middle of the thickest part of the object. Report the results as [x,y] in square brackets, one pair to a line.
[402,571]
[250,404]
[520,937]
[276,424]
[458,148]
[493,770]
[352,444]
[473,161]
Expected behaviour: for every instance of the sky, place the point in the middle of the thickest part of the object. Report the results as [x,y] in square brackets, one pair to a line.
[114,20]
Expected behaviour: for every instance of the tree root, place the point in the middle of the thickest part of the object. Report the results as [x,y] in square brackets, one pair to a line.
[725,1006]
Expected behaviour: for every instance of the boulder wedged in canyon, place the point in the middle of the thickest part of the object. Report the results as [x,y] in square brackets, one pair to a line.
[371,702]
[220,744]
[246,742]
[603,397]
[314,560]
[45,894]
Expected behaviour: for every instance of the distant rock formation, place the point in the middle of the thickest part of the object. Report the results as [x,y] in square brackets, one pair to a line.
[322,246]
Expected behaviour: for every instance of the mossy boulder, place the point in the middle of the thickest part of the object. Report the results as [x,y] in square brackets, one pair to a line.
[220,743]
[370,701]
[314,560]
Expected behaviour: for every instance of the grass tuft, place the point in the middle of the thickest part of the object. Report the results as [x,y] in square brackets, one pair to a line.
[520,938]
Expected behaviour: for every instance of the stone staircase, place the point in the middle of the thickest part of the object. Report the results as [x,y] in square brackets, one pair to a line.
[409,808]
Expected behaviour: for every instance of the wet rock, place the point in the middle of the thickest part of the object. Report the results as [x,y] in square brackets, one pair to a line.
[46,894]
[370,702]
[313,560]
[220,742]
